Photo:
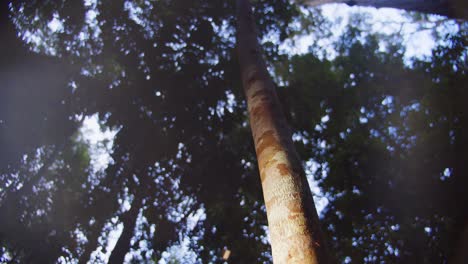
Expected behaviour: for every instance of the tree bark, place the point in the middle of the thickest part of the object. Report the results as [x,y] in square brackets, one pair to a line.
[129,222]
[295,233]
[449,8]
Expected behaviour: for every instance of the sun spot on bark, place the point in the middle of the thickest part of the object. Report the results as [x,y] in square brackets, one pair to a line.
[283,169]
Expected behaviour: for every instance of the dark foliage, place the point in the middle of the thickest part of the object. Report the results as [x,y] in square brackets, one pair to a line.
[164,75]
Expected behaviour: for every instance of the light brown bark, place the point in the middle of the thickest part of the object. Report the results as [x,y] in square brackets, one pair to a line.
[295,234]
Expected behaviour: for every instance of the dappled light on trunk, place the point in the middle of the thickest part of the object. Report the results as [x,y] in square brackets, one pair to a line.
[292,218]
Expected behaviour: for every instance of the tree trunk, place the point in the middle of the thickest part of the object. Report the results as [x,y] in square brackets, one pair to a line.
[129,222]
[449,8]
[292,218]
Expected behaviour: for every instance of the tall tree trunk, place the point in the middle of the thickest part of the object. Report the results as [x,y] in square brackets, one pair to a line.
[292,218]
[129,222]
[449,8]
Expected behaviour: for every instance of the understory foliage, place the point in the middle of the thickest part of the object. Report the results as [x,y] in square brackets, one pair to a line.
[383,140]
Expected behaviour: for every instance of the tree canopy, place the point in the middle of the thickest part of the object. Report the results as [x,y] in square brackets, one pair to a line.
[384,140]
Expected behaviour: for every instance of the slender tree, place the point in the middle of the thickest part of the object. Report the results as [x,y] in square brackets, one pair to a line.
[129,223]
[292,218]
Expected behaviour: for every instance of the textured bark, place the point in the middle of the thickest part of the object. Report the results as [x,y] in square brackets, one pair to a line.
[292,218]
[449,8]
[129,222]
